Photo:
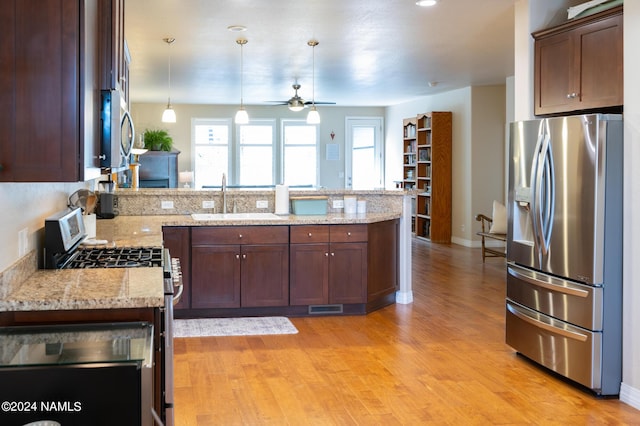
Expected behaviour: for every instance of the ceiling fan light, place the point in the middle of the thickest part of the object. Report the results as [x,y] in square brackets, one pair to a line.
[169,115]
[426,3]
[296,107]
[242,117]
[313,117]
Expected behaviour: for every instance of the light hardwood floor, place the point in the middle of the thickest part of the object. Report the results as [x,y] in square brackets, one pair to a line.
[441,360]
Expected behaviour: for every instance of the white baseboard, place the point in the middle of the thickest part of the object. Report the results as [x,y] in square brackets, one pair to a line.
[477,243]
[404,297]
[630,396]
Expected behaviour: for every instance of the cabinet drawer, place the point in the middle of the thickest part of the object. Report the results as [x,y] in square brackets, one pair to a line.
[301,234]
[240,235]
[348,233]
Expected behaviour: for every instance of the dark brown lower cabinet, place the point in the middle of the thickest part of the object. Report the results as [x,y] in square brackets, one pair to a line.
[240,266]
[216,276]
[266,268]
[328,264]
[347,273]
[264,275]
[309,274]
[178,240]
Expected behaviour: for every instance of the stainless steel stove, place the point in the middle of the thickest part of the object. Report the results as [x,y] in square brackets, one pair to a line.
[64,234]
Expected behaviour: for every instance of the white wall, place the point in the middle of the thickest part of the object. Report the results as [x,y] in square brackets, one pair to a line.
[26,205]
[332,120]
[631,271]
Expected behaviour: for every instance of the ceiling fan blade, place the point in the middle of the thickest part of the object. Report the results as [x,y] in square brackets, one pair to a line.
[319,103]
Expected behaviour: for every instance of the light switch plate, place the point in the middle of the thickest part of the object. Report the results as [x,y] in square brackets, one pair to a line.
[262,204]
[166,204]
[338,204]
[208,204]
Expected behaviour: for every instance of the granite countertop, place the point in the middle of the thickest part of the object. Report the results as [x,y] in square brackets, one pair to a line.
[72,289]
[117,288]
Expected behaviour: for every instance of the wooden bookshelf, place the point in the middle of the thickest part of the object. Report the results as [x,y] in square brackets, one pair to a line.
[433,176]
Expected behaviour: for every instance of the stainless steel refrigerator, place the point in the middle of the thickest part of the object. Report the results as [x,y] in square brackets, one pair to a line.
[564,247]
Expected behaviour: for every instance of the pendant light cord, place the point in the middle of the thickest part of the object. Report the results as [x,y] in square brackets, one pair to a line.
[313,44]
[169,42]
[241,42]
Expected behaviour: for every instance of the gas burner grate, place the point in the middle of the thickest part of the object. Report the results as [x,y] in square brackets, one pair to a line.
[117,257]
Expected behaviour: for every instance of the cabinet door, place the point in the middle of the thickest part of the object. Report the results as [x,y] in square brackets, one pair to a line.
[112,44]
[382,259]
[309,274]
[177,240]
[215,276]
[265,275]
[348,273]
[601,63]
[40,120]
[555,77]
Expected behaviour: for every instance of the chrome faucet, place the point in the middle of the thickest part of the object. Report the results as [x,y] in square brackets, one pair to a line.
[224,193]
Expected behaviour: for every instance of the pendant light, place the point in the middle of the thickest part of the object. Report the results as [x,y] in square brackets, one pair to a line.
[313,117]
[241,116]
[169,115]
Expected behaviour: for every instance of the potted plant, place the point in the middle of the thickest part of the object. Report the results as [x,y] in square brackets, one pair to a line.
[157,140]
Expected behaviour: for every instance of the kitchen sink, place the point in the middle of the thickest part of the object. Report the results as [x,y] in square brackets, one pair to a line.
[236,216]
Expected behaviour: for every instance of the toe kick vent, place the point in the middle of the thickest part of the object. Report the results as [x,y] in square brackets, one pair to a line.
[325,309]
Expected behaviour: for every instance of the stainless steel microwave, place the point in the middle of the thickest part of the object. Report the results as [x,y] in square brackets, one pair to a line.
[117,132]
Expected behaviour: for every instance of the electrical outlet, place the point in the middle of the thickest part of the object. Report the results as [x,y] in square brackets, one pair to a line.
[208,204]
[462,228]
[166,204]
[338,204]
[262,204]
[23,242]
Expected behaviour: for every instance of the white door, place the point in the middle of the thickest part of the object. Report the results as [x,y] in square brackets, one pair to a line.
[363,153]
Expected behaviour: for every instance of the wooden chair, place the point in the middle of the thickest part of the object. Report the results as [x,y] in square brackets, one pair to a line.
[486,222]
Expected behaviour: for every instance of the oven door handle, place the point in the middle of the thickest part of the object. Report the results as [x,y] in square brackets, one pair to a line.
[178,296]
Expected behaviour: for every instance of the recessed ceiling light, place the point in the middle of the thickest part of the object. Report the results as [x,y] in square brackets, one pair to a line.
[426,3]
[237,28]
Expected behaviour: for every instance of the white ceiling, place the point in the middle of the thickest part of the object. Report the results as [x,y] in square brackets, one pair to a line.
[371,52]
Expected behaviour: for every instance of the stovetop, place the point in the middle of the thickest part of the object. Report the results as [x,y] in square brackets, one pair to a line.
[116,257]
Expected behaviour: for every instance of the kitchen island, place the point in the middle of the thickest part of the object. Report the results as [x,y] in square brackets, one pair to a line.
[141,288]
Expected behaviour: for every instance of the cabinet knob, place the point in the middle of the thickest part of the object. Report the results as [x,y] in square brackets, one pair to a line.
[348,234]
[237,256]
[333,254]
[326,254]
[239,235]
[572,95]
[309,234]
[244,256]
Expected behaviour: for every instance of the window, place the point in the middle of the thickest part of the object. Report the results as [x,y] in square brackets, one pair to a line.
[253,157]
[256,154]
[363,160]
[300,152]
[211,150]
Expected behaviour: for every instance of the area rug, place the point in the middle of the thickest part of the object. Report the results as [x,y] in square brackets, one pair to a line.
[253,326]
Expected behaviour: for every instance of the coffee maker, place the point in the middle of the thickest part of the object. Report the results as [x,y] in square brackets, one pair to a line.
[107,201]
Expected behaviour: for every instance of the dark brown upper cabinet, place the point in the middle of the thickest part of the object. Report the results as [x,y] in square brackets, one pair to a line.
[579,65]
[48,87]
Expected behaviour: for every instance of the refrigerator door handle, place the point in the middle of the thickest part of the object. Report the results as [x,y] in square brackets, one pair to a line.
[551,283]
[535,187]
[542,185]
[549,194]
[546,326]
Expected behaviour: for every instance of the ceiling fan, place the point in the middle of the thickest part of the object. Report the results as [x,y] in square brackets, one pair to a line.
[296,103]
